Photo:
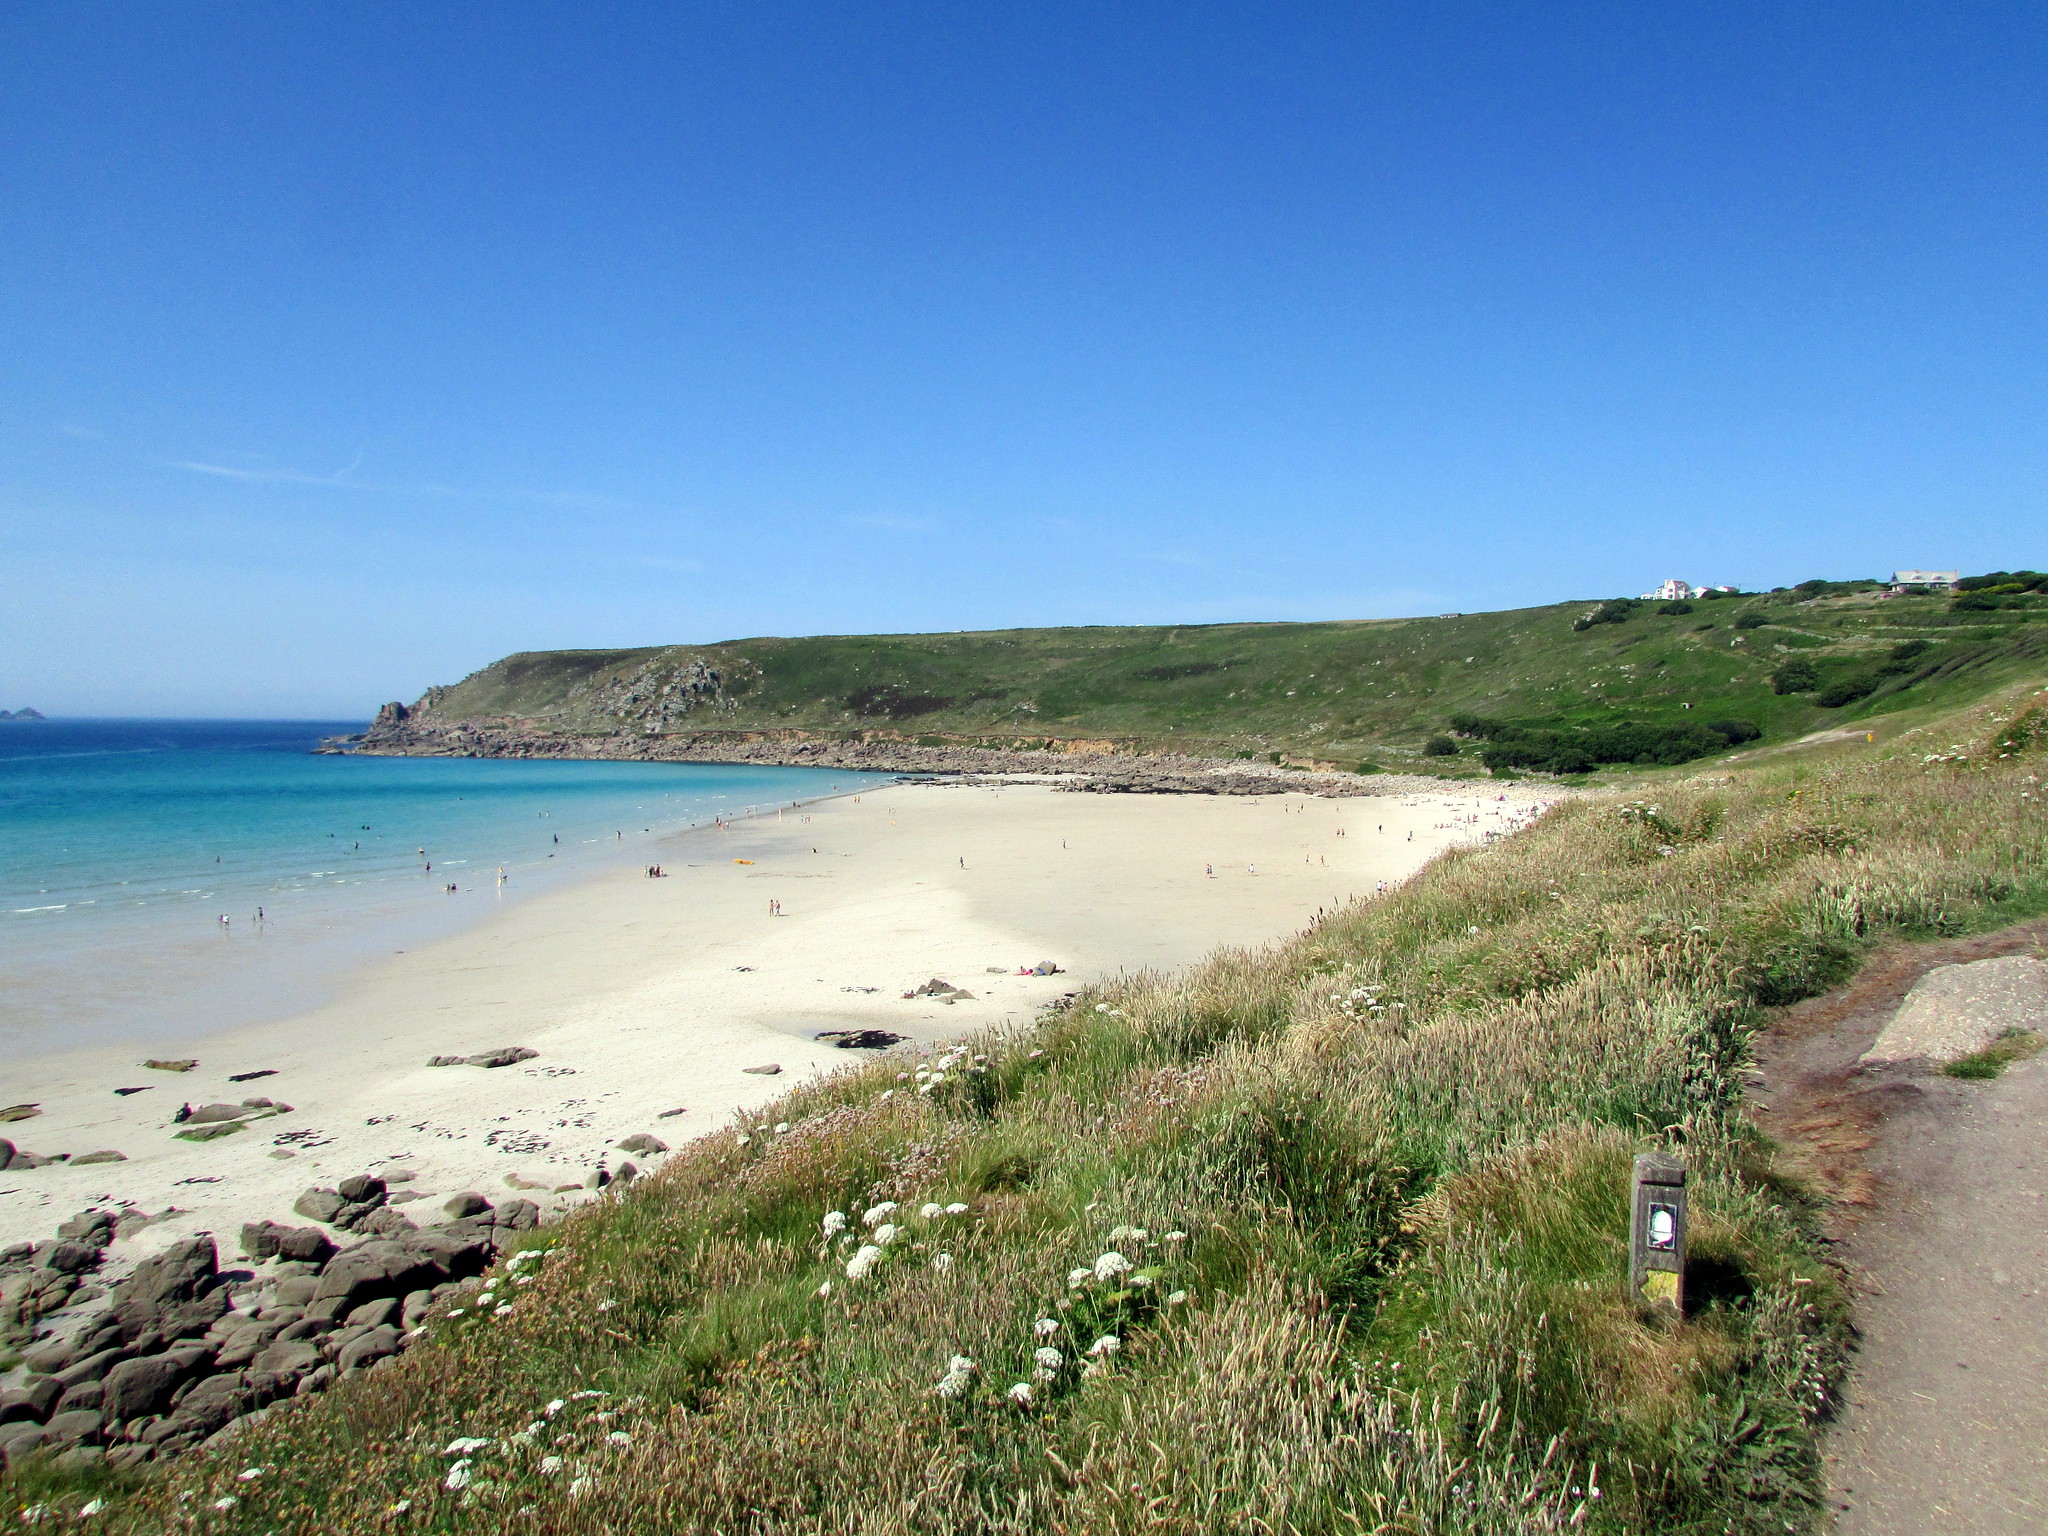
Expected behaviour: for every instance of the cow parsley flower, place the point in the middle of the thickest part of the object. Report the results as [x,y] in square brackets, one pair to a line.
[464,1447]
[957,1208]
[458,1476]
[550,1465]
[782,1127]
[400,1507]
[959,1372]
[556,1407]
[834,1223]
[1049,1357]
[249,1474]
[1105,1346]
[579,1487]
[87,1511]
[875,1215]
[823,1291]
[942,1262]
[1020,1394]
[1176,1237]
[1110,1265]
[1046,1327]
[227,1503]
[858,1266]
[887,1233]
[619,1438]
[930,1209]
[1076,1278]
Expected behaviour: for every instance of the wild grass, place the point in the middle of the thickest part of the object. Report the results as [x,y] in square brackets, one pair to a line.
[1981,1066]
[1328,1237]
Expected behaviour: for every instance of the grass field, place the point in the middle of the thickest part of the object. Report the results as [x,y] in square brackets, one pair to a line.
[1336,693]
[1328,1237]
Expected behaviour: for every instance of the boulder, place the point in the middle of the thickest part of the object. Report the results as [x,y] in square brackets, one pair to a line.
[503,1056]
[518,1216]
[769,1070]
[211,1132]
[214,1114]
[45,1359]
[70,1428]
[1956,1010]
[646,1145]
[414,1310]
[288,1357]
[468,1203]
[136,1387]
[67,1258]
[376,1344]
[305,1245]
[94,1228]
[383,1221]
[862,1039]
[87,1394]
[98,1157]
[374,1314]
[296,1290]
[319,1204]
[180,1273]
[20,1440]
[91,1368]
[30,1403]
[363,1186]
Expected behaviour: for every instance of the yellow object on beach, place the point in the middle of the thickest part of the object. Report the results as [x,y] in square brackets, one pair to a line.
[743,861]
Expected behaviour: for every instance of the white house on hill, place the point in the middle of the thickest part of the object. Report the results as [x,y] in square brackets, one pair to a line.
[1925,581]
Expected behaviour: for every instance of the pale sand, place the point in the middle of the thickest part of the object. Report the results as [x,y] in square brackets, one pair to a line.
[647,995]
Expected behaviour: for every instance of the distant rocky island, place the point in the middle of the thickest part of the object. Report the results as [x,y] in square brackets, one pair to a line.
[21,714]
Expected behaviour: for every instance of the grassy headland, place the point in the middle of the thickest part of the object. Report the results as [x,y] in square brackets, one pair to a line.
[1336,693]
[1327,1237]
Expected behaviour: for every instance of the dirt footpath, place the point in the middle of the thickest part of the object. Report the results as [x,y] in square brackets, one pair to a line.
[1942,1227]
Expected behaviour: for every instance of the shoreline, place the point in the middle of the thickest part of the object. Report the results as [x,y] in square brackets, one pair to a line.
[643,996]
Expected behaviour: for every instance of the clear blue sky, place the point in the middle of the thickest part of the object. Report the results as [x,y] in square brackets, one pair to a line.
[344,348]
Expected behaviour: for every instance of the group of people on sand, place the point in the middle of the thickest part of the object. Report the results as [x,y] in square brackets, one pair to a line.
[656,872]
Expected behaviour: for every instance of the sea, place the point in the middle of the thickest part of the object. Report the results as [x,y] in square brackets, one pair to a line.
[160,878]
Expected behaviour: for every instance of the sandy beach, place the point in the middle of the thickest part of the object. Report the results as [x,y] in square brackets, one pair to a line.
[643,997]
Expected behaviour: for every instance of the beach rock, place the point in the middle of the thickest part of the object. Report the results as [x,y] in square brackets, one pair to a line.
[598,1177]
[20,1160]
[184,1065]
[79,1458]
[87,1394]
[90,1368]
[54,1356]
[126,1458]
[383,1221]
[6,1151]
[319,1379]
[770,1070]
[670,1114]
[644,1144]
[319,1204]
[413,1311]
[31,1403]
[20,1112]
[70,1428]
[296,1290]
[374,1345]
[518,1216]
[93,1227]
[1955,1010]
[626,1174]
[363,1186]
[137,1387]
[862,1039]
[374,1314]
[305,1245]
[69,1258]
[84,1158]
[212,1114]
[288,1357]
[19,1441]
[468,1203]
[503,1056]
[444,1061]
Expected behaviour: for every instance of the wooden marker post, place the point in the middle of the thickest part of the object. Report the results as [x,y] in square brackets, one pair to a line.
[1656,1233]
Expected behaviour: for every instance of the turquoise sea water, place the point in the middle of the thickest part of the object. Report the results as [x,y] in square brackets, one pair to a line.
[124,842]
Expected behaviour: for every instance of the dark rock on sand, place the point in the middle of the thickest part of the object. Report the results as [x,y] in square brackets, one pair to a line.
[98,1157]
[319,1204]
[468,1203]
[769,1070]
[644,1144]
[862,1039]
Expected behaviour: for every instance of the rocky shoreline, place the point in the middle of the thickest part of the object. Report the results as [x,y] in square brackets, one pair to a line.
[401,733]
[184,1350]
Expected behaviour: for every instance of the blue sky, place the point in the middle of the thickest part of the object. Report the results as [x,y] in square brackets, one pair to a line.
[348,348]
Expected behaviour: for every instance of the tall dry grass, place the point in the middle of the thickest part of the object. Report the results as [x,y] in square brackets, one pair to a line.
[1352,1210]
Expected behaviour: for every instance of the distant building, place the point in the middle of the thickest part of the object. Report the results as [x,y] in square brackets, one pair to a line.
[1925,581]
[1673,591]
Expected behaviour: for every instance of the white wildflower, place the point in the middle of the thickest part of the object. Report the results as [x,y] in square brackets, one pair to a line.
[1020,1394]
[942,1262]
[458,1476]
[834,1223]
[33,1514]
[823,1290]
[400,1507]
[858,1266]
[1105,1346]
[1134,1234]
[1110,1265]
[1049,1357]
[1102,1007]
[957,1208]
[887,1233]
[875,1215]
[1076,1278]
[1035,1055]
[555,1407]
[743,1140]
[577,1397]
[1046,1327]
[782,1127]
[464,1447]
[958,1373]
[1176,1298]
[579,1487]
[1176,1237]
[227,1503]
[549,1465]
[930,1209]
[886,1093]
[619,1438]
[606,1305]
[249,1474]
[1137,1282]
[87,1511]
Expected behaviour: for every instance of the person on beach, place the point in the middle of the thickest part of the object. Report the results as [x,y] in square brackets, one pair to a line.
[1209,870]
[224,920]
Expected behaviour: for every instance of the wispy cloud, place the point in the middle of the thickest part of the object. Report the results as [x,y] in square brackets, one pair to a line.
[344,479]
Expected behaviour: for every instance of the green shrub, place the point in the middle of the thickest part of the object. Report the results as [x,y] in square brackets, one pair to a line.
[1751,621]
[1846,690]
[1440,746]
[1795,677]
[1675,608]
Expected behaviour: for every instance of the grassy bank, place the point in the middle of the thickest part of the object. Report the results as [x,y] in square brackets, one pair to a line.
[1323,1238]
[1331,692]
